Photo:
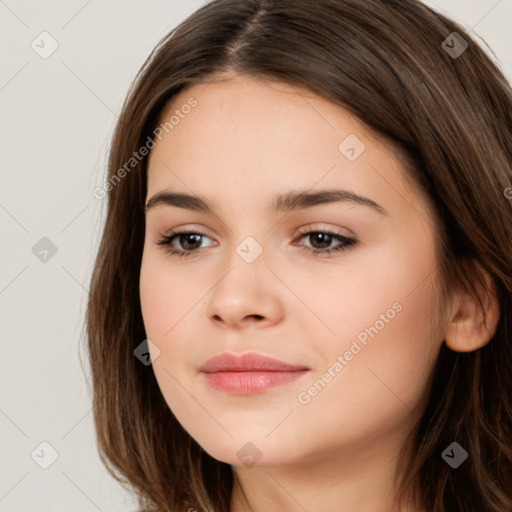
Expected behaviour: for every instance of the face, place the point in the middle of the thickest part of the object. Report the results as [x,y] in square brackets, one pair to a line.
[338,290]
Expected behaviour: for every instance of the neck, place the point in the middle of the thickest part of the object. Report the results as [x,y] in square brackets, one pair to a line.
[356,479]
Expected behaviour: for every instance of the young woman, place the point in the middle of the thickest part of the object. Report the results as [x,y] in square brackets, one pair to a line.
[309,236]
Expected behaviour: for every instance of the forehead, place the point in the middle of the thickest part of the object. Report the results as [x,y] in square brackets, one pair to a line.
[246,137]
[258,115]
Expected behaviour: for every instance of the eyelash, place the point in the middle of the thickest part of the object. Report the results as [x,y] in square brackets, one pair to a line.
[166,241]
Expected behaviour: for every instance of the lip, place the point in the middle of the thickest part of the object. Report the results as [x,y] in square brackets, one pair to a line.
[249,373]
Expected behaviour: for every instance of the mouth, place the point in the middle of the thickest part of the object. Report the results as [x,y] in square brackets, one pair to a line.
[249,373]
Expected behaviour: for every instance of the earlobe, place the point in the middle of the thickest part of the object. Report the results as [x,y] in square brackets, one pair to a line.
[467,330]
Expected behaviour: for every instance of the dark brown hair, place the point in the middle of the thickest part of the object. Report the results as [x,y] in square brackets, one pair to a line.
[382,60]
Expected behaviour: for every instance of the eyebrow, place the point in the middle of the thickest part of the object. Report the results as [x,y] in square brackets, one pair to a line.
[289,201]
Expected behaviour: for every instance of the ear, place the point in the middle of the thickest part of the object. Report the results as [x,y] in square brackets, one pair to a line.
[467,331]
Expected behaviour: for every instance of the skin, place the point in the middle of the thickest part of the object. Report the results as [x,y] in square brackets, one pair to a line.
[246,141]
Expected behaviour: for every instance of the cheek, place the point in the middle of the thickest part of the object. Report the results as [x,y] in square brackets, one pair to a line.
[165,296]
[384,294]
[401,344]
[381,390]
[385,336]
[170,301]
[165,300]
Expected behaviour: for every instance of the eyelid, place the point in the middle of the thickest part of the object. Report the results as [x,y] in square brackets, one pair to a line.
[323,227]
[308,228]
[187,228]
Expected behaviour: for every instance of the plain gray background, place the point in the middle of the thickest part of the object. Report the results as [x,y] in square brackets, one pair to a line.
[57,115]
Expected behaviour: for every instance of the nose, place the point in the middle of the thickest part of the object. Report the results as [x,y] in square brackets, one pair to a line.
[248,294]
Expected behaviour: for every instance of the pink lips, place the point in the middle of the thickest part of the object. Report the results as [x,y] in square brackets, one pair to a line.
[249,373]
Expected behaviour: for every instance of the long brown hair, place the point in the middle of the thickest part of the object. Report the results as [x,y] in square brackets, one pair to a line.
[450,114]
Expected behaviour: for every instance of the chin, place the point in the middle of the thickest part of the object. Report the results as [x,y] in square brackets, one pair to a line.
[249,450]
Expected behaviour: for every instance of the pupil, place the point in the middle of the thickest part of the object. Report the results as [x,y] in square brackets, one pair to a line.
[323,237]
[187,238]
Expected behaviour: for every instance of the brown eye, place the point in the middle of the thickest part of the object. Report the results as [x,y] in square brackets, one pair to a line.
[189,242]
[321,241]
